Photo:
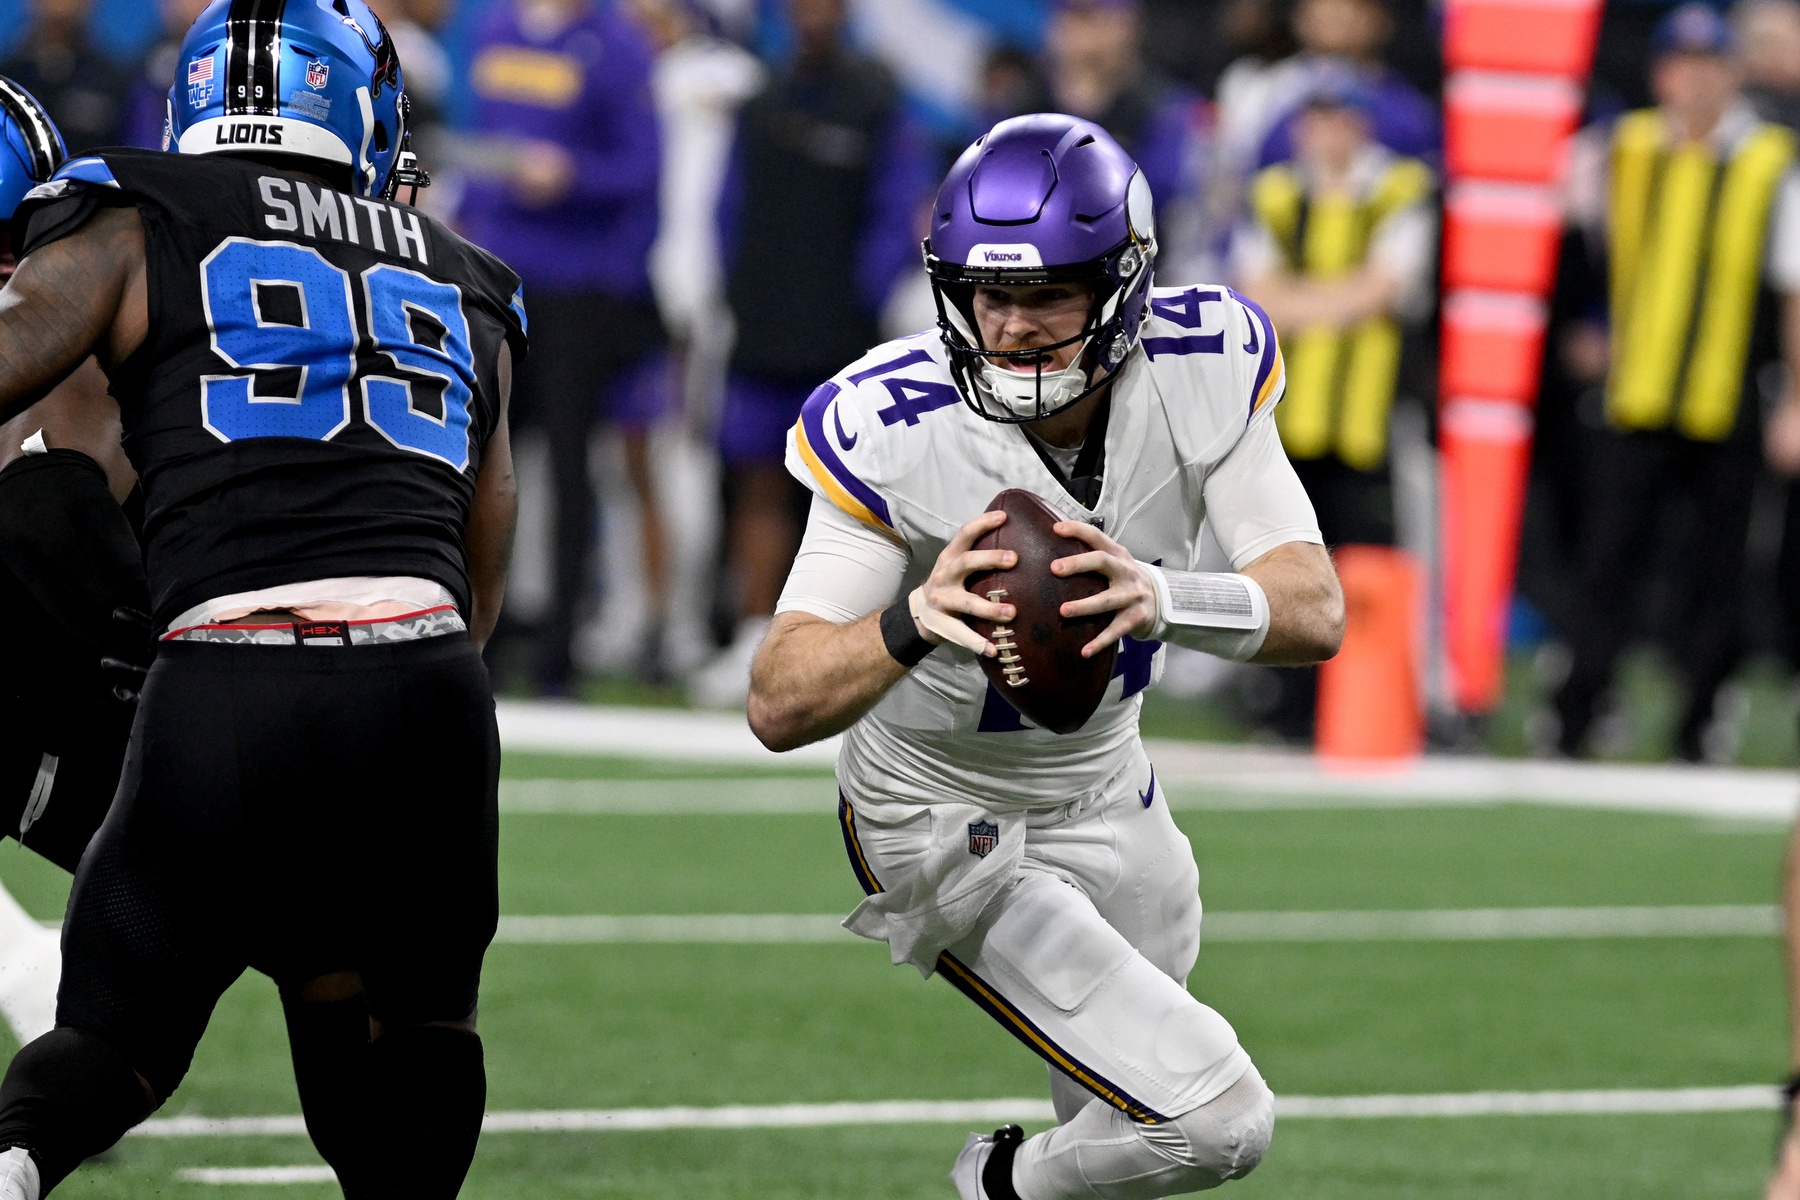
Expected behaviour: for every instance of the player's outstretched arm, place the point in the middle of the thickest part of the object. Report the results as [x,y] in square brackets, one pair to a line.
[813,677]
[79,295]
[493,515]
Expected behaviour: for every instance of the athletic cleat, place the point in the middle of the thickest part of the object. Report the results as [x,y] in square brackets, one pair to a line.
[983,1170]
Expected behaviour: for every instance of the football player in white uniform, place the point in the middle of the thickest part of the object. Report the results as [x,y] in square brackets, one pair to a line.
[1038,873]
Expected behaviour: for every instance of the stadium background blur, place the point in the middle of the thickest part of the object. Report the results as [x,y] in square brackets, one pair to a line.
[650,556]
[1465,978]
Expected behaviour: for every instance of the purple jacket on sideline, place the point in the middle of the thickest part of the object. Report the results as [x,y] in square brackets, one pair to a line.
[587,89]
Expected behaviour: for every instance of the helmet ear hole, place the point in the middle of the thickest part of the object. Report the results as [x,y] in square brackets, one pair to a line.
[381,138]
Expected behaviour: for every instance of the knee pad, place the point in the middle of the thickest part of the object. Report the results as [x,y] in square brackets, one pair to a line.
[1222,1139]
[67,1097]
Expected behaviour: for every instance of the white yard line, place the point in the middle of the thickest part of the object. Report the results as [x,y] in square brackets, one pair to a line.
[1199,775]
[242,1175]
[567,728]
[1753,1098]
[659,930]
[1427,925]
[987,1113]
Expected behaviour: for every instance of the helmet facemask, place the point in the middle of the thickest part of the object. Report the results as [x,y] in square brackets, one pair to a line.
[1009,396]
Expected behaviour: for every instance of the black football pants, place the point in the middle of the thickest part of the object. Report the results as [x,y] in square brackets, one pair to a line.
[301,810]
[580,343]
[1632,479]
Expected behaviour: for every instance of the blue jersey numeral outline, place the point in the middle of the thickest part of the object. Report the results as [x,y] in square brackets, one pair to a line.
[392,294]
[324,346]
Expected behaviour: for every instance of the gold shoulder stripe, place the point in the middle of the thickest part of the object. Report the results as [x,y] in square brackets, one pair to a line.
[835,491]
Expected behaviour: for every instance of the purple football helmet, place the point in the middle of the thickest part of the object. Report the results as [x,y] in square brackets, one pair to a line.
[1042,199]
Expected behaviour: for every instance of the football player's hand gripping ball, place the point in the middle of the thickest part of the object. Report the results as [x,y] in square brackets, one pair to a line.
[937,604]
[1131,593]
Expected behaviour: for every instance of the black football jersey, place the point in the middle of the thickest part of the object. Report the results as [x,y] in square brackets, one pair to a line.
[319,378]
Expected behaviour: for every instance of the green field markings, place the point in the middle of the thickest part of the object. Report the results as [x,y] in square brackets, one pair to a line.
[1392,925]
[1024,1110]
[607,1027]
[1408,1017]
[529,764]
[1703,1156]
[657,797]
[1512,856]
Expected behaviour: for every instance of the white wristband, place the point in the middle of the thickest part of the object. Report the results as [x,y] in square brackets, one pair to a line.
[1217,612]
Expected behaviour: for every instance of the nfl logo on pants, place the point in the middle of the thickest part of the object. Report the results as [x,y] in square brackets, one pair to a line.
[983,837]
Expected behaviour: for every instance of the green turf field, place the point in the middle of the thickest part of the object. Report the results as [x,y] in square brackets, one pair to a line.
[615,1026]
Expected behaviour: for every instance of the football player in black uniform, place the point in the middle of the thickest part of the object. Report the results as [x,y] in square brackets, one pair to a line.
[72,581]
[72,585]
[312,382]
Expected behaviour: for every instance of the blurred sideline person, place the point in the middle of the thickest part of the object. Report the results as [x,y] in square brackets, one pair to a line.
[1096,71]
[820,214]
[55,59]
[1338,247]
[1768,39]
[563,91]
[321,575]
[413,25]
[1700,213]
[1041,874]
[1257,103]
[147,103]
[701,81]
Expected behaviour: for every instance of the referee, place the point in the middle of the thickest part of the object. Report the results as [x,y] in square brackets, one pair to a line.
[1701,220]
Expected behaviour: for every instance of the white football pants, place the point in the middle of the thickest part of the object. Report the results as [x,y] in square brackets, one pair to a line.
[1084,957]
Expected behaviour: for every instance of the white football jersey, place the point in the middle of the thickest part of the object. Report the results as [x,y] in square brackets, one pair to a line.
[890,441]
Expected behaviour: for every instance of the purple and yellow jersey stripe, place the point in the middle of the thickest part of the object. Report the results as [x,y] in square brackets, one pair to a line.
[835,480]
[1271,373]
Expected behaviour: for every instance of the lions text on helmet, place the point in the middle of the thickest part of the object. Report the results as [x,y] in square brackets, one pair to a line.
[1031,216]
[258,80]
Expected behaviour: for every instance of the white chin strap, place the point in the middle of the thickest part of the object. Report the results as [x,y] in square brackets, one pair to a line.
[1019,393]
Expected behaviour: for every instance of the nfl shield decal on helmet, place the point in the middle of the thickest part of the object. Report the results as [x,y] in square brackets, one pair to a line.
[983,837]
[316,74]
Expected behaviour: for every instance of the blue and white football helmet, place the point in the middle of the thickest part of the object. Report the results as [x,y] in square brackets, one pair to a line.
[316,79]
[30,147]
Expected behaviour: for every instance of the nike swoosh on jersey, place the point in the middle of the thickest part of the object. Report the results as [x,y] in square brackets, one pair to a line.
[847,441]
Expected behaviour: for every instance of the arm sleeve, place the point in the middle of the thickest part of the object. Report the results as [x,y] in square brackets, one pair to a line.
[845,569]
[1254,501]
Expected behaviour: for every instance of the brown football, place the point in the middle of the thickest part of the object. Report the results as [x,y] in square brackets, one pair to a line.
[1040,670]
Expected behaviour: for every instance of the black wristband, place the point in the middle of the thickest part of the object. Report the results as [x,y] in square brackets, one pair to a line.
[1789,1092]
[901,637]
